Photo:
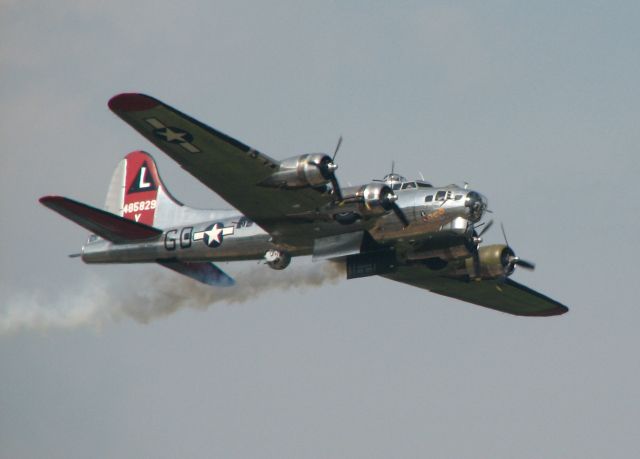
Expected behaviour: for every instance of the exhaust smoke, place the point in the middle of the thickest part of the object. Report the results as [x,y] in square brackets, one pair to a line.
[151,296]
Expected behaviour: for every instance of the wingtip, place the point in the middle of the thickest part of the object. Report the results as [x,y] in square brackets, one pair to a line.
[132,102]
[46,200]
[557,311]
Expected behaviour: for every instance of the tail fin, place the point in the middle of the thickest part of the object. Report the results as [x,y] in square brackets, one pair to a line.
[137,193]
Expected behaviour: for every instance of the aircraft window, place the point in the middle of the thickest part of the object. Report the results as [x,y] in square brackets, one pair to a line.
[93,237]
[424,185]
[406,186]
[440,195]
[458,197]
[396,186]
[428,198]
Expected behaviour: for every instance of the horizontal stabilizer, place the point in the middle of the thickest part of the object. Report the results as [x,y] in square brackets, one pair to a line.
[105,224]
[204,272]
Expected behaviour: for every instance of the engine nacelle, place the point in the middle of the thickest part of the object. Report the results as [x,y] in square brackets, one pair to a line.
[375,199]
[495,262]
[277,259]
[312,170]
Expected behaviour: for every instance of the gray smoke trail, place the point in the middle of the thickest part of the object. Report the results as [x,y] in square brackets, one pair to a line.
[151,296]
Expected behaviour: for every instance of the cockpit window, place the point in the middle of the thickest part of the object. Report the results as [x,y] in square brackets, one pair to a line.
[406,186]
[424,185]
[396,186]
[428,198]
[458,197]
[440,195]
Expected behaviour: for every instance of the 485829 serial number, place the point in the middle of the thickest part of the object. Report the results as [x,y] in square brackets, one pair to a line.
[139,206]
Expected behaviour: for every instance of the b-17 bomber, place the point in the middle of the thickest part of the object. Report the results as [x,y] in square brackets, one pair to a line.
[408,231]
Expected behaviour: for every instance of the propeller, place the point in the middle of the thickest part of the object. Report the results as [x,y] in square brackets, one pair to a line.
[476,239]
[332,166]
[390,202]
[476,263]
[504,234]
[486,227]
[400,214]
[335,152]
[523,263]
[473,243]
[328,168]
[509,258]
[514,260]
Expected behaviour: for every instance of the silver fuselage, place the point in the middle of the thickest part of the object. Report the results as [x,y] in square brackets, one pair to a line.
[235,237]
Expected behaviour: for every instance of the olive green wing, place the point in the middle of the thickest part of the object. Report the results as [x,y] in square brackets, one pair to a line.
[502,295]
[230,168]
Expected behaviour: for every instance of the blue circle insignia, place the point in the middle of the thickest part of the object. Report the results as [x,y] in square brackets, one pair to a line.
[213,235]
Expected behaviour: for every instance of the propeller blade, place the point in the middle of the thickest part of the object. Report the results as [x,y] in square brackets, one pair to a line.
[486,228]
[400,214]
[504,234]
[524,264]
[335,152]
[336,188]
[476,263]
[517,261]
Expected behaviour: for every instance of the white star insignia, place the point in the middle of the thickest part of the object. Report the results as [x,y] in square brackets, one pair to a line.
[213,235]
[172,136]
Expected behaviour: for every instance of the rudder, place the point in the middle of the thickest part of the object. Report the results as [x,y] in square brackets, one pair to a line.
[136,190]
[137,193]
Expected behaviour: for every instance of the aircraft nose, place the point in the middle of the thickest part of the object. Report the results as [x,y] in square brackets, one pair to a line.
[477,204]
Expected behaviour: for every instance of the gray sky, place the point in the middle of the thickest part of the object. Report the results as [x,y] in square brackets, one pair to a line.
[536,104]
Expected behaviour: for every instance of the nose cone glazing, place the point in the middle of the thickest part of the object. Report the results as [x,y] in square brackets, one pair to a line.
[477,204]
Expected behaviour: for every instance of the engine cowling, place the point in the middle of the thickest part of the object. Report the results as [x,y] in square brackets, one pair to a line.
[311,170]
[495,261]
[375,199]
[276,259]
